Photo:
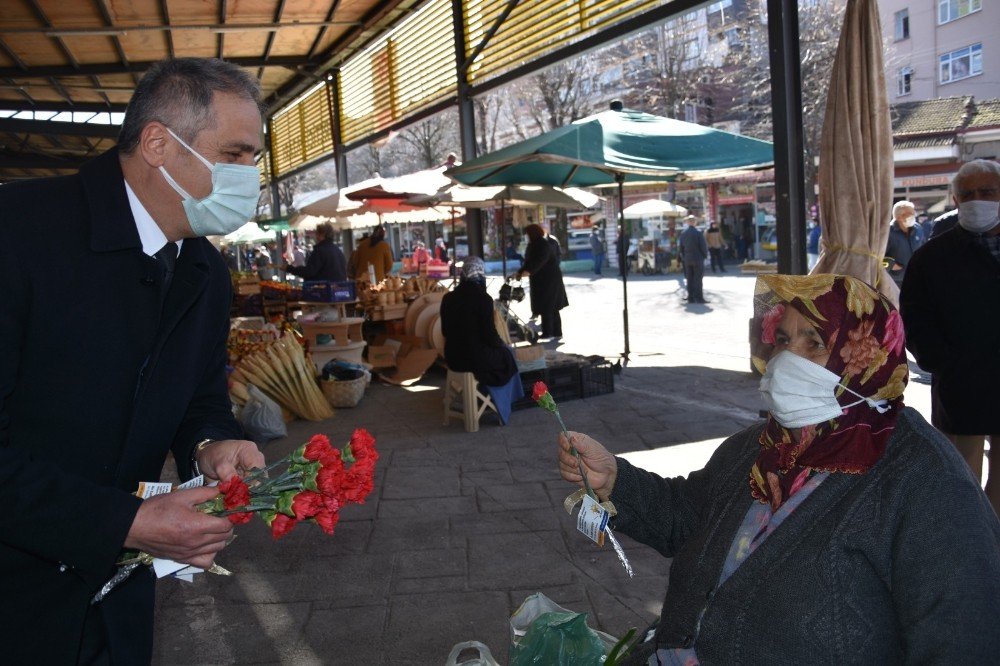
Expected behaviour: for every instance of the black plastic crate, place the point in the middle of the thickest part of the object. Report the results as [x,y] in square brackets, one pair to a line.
[597,379]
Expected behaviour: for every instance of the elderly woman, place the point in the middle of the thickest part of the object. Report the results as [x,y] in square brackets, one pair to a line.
[844,529]
[471,341]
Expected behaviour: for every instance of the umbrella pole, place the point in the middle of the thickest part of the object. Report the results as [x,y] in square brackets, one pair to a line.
[503,250]
[623,262]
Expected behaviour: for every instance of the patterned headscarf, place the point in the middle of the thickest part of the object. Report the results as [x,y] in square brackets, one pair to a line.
[864,334]
[474,269]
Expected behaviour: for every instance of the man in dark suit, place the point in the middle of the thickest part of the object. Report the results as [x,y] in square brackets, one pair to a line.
[694,251]
[112,354]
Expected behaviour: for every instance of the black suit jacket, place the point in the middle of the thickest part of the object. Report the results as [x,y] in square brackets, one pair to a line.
[326,262]
[97,384]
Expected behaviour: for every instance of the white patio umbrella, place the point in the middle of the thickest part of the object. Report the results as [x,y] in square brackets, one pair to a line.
[655,207]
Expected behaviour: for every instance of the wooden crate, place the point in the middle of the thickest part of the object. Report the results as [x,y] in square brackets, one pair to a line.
[387,312]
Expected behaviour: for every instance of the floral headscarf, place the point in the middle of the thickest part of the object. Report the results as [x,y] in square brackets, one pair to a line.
[864,334]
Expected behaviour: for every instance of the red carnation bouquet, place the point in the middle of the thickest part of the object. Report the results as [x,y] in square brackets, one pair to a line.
[314,484]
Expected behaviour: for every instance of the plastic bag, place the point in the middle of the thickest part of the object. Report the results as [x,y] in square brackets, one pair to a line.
[483,655]
[339,370]
[261,417]
[543,632]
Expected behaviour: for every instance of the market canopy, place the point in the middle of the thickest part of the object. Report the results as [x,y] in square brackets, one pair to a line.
[855,183]
[602,148]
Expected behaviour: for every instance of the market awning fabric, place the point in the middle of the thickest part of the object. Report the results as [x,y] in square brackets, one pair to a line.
[855,181]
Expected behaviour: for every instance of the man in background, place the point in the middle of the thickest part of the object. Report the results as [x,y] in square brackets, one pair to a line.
[327,261]
[694,251]
[950,303]
[905,236]
[597,249]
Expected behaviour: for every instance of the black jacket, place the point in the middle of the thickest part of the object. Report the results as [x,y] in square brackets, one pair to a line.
[96,387]
[471,341]
[541,262]
[327,262]
[950,302]
[901,247]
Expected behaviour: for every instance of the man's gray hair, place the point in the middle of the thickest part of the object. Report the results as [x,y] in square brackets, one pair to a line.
[902,204]
[178,93]
[974,167]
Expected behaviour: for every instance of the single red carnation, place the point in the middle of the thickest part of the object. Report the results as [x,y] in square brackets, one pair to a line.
[538,390]
[362,443]
[235,494]
[330,477]
[327,520]
[282,525]
[317,447]
[306,504]
[358,482]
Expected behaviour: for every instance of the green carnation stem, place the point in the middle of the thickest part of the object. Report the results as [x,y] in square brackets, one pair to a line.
[576,454]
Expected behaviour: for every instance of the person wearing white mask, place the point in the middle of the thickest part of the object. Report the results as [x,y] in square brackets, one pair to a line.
[112,356]
[843,529]
[950,301]
[905,237]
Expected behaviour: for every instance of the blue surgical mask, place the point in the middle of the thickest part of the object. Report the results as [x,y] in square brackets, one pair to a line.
[235,191]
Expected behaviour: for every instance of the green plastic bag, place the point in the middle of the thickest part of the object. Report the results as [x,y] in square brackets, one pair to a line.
[560,638]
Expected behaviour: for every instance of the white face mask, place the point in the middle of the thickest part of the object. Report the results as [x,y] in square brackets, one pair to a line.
[235,191]
[978,216]
[799,392]
[909,221]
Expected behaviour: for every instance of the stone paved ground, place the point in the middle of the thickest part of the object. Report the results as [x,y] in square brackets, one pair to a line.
[461,527]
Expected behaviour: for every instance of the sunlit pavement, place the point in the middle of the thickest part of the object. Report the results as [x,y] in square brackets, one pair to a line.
[461,527]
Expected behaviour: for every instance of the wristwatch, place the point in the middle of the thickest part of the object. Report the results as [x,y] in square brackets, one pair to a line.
[198,448]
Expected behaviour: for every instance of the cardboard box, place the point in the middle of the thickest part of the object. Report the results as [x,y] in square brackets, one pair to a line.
[401,359]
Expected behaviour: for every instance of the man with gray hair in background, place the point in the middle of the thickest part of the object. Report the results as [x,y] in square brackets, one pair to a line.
[950,303]
[112,356]
[905,236]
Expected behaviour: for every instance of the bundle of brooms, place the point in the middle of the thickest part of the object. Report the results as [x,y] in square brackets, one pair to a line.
[282,371]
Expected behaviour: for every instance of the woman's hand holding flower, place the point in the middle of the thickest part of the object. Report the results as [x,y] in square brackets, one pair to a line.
[601,466]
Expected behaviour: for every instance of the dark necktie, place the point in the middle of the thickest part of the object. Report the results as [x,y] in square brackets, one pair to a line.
[167,256]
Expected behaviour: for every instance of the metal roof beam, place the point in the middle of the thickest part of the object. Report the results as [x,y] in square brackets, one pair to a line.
[58,107]
[38,162]
[101,69]
[58,128]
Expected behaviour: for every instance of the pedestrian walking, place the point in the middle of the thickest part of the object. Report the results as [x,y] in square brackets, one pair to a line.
[713,238]
[597,249]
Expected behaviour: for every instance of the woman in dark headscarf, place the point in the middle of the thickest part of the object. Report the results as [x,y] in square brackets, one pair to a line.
[471,341]
[844,529]
[548,294]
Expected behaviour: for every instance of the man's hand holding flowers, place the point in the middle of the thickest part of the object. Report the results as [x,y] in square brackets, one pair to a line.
[171,526]
[220,460]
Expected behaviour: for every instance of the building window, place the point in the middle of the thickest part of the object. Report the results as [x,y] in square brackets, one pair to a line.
[961,64]
[902,24]
[950,10]
[903,81]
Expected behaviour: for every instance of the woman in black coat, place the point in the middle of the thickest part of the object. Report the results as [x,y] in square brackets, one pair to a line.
[471,341]
[548,294]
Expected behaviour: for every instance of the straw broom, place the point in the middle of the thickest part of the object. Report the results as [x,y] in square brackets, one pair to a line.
[281,372]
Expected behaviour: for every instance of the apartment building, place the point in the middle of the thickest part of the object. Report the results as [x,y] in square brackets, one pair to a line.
[941,48]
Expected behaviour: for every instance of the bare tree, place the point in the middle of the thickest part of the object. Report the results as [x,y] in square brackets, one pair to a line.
[427,144]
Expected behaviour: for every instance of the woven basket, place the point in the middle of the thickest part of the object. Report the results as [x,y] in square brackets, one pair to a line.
[343,393]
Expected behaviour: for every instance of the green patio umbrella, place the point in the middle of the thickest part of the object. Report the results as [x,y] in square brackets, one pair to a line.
[616,147]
